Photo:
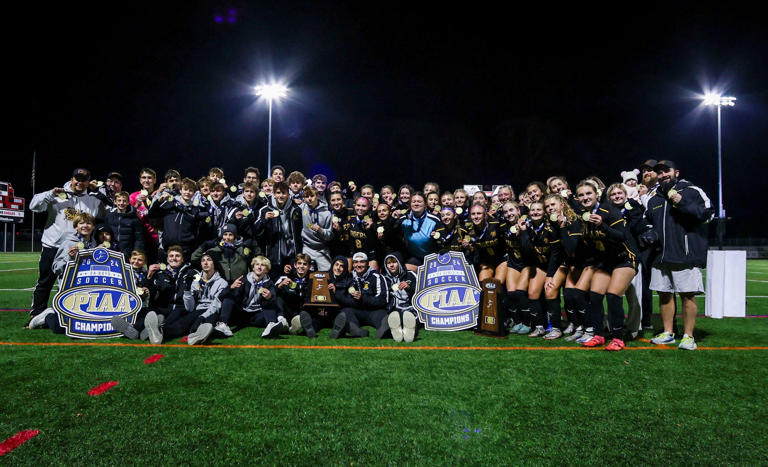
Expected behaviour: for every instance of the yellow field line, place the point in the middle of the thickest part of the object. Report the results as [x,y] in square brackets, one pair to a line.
[350,347]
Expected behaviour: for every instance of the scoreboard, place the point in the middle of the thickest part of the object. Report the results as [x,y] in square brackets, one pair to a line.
[11,207]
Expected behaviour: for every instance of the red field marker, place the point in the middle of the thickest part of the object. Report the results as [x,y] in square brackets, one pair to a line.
[184,339]
[101,388]
[153,358]
[16,440]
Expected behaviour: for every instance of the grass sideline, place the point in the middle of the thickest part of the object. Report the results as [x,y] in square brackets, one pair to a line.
[255,404]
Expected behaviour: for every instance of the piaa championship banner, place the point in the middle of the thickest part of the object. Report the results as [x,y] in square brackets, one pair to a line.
[96,286]
[447,294]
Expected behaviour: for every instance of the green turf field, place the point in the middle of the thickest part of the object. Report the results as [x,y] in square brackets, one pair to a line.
[448,398]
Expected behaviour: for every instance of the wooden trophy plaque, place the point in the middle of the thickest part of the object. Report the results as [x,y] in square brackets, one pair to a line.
[491,320]
[320,296]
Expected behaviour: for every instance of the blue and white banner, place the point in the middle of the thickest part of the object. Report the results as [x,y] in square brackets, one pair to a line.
[95,287]
[447,294]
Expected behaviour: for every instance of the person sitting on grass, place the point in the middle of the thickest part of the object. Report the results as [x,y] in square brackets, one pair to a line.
[364,302]
[251,301]
[401,285]
[292,290]
[201,305]
[314,320]
[81,239]
[144,286]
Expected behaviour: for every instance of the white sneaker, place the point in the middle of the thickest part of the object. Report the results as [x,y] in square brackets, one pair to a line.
[395,326]
[281,319]
[39,320]
[224,329]
[687,343]
[201,335]
[153,328]
[273,329]
[409,326]
[295,326]
[664,338]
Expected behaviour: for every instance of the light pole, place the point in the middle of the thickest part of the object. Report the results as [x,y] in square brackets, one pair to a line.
[270,92]
[719,101]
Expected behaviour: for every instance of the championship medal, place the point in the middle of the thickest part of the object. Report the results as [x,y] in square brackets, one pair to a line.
[435,235]
[62,195]
[403,211]
[627,205]
[524,217]
[586,216]
[106,244]
[261,290]
[293,285]
[458,210]
[169,197]
[309,225]
[375,196]
[351,183]
[553,217]
[395,287]
[246,251]
[208,220]
[671,193]
[275,212]
[336,219]
[513,229]
[564,193]
[163,266]
[233,188]
[380,230]
[144,193]
[99,183]
[351,290]
[495,206]
[141,291]
[599,193]
[210,199]
[367,218]
[246,212]
[467,238]
[262,194]
[80,245]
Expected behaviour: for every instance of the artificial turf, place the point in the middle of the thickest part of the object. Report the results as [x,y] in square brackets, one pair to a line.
[502,401]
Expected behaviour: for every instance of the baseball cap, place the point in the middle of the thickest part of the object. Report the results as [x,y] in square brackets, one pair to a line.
[81,174]
[650,164]
[115,175]
[231,228]
[666,164]
[359,256]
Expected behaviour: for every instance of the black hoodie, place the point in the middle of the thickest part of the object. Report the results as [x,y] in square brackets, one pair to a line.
[399,300]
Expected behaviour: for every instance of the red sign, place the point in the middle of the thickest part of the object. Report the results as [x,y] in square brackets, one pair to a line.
[11,207]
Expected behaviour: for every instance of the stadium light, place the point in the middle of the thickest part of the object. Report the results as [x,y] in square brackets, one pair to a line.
[713,99]
[270,92]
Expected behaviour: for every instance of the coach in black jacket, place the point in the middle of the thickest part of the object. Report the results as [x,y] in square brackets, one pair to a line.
[678,215]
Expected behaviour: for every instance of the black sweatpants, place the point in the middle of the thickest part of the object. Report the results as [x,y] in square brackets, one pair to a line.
[364,317]
[45,281]
[233,314]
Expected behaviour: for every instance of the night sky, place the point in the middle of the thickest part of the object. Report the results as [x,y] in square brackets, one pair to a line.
[387,93]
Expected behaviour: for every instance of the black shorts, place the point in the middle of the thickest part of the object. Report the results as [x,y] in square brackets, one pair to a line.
[609,265]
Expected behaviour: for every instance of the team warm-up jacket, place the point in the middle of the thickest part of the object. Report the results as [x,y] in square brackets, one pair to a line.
[62,255]
[169,287]
[127,229]
[371,284]
[248,297]
[180,220]
[203,296]
[281,236]
[61,212]
[681,228]
[399,300]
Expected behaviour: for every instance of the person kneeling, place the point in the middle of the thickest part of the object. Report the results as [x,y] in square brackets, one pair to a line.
[251,301]
[363,301]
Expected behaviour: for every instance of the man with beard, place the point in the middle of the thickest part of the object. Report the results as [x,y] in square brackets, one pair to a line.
[678,213]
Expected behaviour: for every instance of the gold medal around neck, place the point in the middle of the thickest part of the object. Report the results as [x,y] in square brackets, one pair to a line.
[275,212]
[62,195]
[293,285]
[553,217]
[524,217]
[395,287]
[208,220]
[627,206]
[99,184]
[144,193]
[380,230]
[564,193]
[336,219]
[233,189]
[261,290]
[351,183]
[671,193]
[438,207]
[375,196]
[141,291]
[163,266]
[245,212]
[458,210]
[351,290]
[80,245]
[467,238]
[262,194]
[367,218]
[586,216]
[246,251]
[106,244]
[435,235]
[513,229]
[309,225]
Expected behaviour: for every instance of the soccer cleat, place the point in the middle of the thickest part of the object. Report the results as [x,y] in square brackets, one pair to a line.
[339,324]
[224,329]
[273,329]
[395,325]
[595,341]
[124,327]
[38,321]
[153,328]
[570,329]
[524,329]
[585,337]
[687,343]
[409,327]
[663,338]
[295,327]
[200,335]
[538,332]
[614,345]
[305,319]
[382,328]
[555,333]
[577,334]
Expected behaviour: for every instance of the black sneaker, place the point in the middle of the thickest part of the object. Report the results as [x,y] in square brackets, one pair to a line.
[357,331]
[338,326]
[306,323]
[273,330]
[382,329]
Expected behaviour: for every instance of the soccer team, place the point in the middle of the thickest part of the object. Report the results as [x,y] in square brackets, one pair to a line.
[209,255]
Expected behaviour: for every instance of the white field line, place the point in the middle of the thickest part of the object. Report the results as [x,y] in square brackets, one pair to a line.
[755,280]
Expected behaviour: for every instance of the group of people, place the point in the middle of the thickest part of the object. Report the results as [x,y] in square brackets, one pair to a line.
[212,255]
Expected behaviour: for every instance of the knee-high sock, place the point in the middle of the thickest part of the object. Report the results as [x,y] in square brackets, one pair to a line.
[537,318]
[523,310]
[511,306]
[595,313]
[553,312]
[580,300]
[569,303]
[615,315]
